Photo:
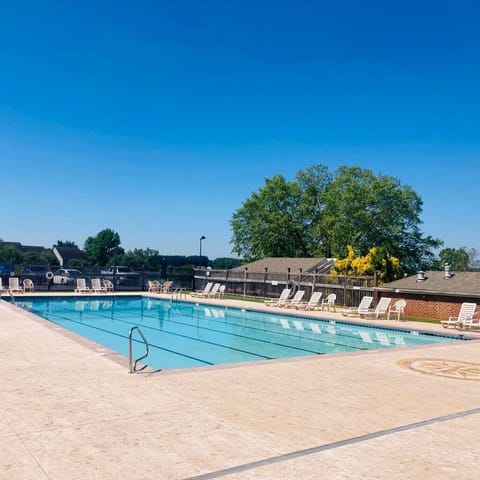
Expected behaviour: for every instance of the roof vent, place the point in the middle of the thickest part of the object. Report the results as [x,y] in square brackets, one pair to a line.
[448,274]
[421,276]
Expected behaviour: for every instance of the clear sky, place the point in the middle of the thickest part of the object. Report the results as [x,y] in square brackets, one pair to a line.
[159,118]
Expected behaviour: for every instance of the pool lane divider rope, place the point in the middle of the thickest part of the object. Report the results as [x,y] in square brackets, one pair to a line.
[329,446]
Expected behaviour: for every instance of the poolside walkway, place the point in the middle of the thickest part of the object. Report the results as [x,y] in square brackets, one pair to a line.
[69,410]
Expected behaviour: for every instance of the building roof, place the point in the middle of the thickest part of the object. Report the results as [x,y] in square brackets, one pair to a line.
[64,254]
[24,248]
[437,283]
[282,264]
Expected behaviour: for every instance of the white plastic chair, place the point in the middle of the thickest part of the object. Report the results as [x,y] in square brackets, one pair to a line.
[381,308]
[97,286]
[329,302]
[28,285]
[397,309]
[108,285]
[362,309]
[467,310]
[312,304]
[82,286]
[296,300]
[280,300]
[14,285]
[203,292]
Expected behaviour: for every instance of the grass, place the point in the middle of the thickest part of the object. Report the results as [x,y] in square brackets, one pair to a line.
[421,319]
[247,299]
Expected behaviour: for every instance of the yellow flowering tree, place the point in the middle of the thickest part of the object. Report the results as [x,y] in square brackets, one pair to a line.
[377,261]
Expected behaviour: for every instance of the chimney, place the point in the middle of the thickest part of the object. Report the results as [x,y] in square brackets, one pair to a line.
[448,273]
[421,276]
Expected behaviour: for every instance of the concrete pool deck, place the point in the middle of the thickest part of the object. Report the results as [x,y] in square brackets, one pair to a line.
[70,410]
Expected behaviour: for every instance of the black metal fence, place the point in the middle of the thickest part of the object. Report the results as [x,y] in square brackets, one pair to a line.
[349,289]
[45,280]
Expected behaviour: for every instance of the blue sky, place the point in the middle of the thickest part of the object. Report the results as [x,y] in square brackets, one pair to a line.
[158,119]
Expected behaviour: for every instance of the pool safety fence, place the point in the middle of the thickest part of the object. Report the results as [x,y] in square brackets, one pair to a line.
[348,289]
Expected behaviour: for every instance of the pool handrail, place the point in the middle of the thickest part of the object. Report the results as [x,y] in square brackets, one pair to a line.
[133,366]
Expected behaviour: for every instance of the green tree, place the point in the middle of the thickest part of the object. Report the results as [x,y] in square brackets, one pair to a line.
[270,222]
[459,259]
[77,263]
[47,258]
[321,213]
[365,211]
[222,263]
[65,244]
[30,258]
[103,249]
[9,254]
[139,258]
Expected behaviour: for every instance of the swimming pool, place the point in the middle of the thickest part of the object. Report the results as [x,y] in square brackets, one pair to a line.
[183,334]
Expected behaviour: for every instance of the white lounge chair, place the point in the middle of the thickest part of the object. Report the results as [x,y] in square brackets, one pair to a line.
[397,309]
[381,308]
[205,290]
[214,291]
[97,286]
[467,310]
[280,300]
[1,286]
[329,302]
[312,304]
[221,292]
[82,286]
[14,285]
[28,285]
[470,323]
[296,300]
[362,309]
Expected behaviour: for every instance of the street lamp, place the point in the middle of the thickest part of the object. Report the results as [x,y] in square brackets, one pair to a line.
[201,238]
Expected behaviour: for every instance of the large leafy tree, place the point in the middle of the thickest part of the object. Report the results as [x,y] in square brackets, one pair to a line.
[365,211]
[459,259]
[148,259]
[270,222]
[65,244]
[9,254]
[222,263]
[103,249]
[321,213]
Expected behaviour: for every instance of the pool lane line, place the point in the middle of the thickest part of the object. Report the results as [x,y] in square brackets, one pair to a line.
[115,334]
[277,343]
[329,446]
[88,323]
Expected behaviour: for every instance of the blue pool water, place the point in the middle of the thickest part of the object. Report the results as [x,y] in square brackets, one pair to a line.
[182,334]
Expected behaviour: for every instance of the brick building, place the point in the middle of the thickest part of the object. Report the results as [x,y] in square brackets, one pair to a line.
[434,294]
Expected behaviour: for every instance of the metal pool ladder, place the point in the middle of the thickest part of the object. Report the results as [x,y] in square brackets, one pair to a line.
[132,365]
[12,297]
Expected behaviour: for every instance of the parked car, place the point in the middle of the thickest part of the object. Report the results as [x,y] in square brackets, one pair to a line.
[121,275]
[66,276]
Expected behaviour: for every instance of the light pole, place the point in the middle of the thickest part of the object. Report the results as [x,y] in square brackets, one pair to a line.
[201,238]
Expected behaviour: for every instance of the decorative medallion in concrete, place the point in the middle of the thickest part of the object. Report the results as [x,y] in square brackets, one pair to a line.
[443,367]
